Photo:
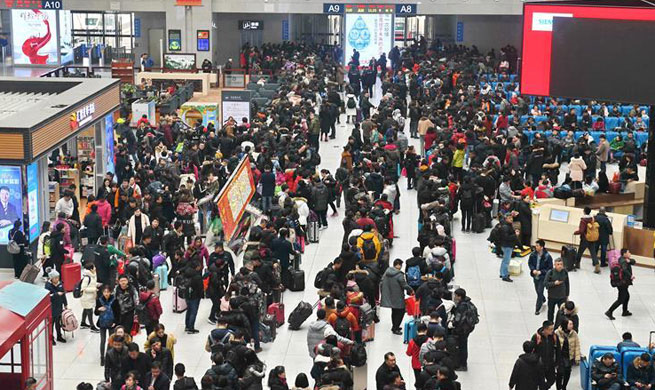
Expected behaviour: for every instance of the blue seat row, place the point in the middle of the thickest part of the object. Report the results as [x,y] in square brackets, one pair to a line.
[624,358]
[610,122]
[641,137]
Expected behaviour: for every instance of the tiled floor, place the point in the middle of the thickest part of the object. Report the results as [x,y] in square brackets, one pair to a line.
[507,311]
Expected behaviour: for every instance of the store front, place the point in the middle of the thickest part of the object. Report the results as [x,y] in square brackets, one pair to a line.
[56,133]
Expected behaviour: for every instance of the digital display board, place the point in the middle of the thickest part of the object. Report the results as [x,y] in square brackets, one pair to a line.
[33,200]
[174,40]
[564,28]
[109,144]
[34,37]
[559,215]
[11,200]
[202,40]
[369,30]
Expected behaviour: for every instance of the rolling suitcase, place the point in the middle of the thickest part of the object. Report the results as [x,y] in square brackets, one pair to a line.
[269,328]
[300,314]
[479,223]
[312,231]
[157,289]
[277,311]
[409,330]
[179,304]
[296,280]
[162,271]
[71,273]
[30,272]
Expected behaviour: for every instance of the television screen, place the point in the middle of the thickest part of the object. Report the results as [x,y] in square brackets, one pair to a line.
[175,61]
[559,215]
[560,57]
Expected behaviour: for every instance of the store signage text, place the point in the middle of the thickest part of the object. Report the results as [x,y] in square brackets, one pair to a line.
[34,4]
[189,2]
[82,116]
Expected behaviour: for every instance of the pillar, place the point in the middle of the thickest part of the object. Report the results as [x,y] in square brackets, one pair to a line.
[190,19]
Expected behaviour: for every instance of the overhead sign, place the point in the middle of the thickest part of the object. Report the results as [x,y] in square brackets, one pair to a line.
[405,9]
[251,25]
[285,30]
[174,40]
[188,2]
[460,32]
[34,4]
[333,8]
[202,40]
[82,116]
[370,8]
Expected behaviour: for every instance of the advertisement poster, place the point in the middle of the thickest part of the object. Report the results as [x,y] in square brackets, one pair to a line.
[34,37]
[11,201]
[192,112]
[370,34]
[235,104]
[109,143]
[66,36]
[174,40]
[235,196]
[203,40]
[33,200]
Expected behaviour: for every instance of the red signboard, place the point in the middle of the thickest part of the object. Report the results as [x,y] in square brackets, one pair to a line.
[235,196]
[188,2]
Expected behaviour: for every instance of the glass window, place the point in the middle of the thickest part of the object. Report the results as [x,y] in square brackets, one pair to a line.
[110,41]
[79,21]
[10,363]
[125,24]
[94,22]
[110,23]
[126,42]
[39,352]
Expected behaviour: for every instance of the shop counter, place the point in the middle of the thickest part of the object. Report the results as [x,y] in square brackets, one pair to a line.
[555,224]
[640,242]
[205,78]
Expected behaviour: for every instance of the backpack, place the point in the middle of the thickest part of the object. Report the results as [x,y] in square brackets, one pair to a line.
[358,355]
[106,318]
[77,291]
[468,318]
[342,327]
[319,280]
[217,343]
[414,276]
[142,311]
[46,245]
[315,158]
[351,103]
[616,276]
[183,286]
[467,194]
[68,321]
[187,384]
[592,232]
[368,248]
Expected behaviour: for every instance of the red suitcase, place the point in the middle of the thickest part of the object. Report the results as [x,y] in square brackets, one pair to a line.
[277,311]
[71,273]
[614,188]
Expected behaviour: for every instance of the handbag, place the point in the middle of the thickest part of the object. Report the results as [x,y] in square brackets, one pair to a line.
[12,246]
[135,327]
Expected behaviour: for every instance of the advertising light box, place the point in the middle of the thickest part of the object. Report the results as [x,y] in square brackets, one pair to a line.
[11,200]
[371,34]
[34,37]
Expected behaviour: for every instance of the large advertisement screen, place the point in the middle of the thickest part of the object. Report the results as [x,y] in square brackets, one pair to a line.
[34,37]
[235,196]
[109,142]
[540,29]
[370,34]
[33,200]
[11,200]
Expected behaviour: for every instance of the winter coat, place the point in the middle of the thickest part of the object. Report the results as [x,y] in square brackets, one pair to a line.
[545,265]
[93,223]
[547,348]
[317,332]
[131,229]
[321,196]
[169,344]
[89,289]
[153,306]
[104,210]
[57,301]
[413,349]
[252,377]
[392,289]
[599,370]
[577,167]
[559,291]
[573,345]
[528,373]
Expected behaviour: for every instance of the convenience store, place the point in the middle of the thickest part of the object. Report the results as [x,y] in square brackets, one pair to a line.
[52,128]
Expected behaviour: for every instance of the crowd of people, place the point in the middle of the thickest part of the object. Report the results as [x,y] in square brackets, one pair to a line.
[152,222]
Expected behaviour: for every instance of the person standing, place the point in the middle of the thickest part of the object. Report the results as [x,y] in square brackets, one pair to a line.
[465,317]
[93,224]
[424,123]
[267,181]
[528,372]
[89,289]
[621,278]
[107,310]
[557,283]
[605,230]
[603,152]
[387,372]
[196,291]
[392,296]
[589,232]
[569,344]
[540,262]
[547,348]
[20,259]
[507,241]
[58,302]
[127,297]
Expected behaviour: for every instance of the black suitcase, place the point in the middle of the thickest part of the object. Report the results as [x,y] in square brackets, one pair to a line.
[89,253]
[479,222]
[296,280]
[569,255]
[299,315]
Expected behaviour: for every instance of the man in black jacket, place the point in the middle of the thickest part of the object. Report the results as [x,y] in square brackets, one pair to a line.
[161,354]
[93,224]
[547,347]
[604,232]
[557,284]
[135,361]
[384,374]
[528,372]
[113,360]
[621,278]
[192,273]
[156,378]
[507,240]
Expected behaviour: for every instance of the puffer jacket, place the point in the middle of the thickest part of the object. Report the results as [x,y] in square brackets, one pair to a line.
[573,345]
[89,289]
[252,378]
[392,289]
[599,370]
[321,196]
[237,320]
[224,370]
[317,332]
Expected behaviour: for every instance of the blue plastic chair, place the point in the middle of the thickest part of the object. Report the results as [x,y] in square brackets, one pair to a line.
[641,137]
[596,135]
[611,123]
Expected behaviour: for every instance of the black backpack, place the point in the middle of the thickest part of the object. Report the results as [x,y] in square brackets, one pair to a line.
[351,103]
[358,355]
[616,276]
[77,291]
[315,158]
[183,285]
[368,248]
[342,327]
[142,311]
[319,281]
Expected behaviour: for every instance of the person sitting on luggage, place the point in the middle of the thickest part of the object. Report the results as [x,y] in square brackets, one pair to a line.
[606,373]
[640,374]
